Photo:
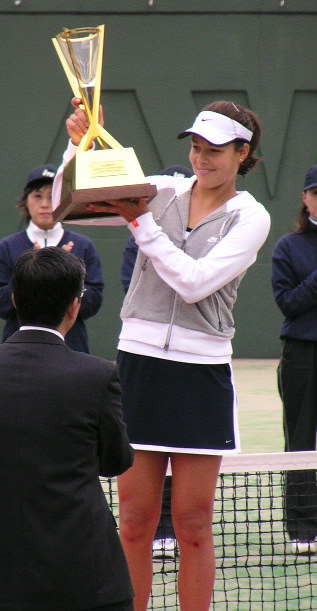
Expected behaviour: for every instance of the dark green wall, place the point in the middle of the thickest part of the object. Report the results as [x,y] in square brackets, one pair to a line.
[163,61]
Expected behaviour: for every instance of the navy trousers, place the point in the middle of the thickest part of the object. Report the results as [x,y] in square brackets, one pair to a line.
[297,383]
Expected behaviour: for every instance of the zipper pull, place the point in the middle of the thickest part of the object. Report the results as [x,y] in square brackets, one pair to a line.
[144,264]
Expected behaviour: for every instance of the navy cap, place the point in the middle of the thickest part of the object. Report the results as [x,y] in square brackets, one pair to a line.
[311,178]
[41,172]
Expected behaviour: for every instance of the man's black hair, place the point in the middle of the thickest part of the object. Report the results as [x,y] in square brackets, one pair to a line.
[45,282]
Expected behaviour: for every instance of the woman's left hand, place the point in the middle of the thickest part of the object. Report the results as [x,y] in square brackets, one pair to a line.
[129,209]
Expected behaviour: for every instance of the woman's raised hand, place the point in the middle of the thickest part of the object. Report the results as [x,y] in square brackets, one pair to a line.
[77,124]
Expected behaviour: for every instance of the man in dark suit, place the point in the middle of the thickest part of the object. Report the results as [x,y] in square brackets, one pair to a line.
[61,427]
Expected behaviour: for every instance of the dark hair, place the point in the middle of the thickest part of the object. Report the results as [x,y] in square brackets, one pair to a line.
[36,185]
[44,283]
[248,119]
[301,222]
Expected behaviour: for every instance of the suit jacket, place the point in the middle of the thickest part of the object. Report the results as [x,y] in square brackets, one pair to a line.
[61,427]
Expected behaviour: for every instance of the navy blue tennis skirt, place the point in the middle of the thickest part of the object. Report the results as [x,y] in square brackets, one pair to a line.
[183,407]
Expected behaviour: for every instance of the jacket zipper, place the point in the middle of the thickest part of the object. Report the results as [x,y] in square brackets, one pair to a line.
[220,327]
[144,264]
[169,330]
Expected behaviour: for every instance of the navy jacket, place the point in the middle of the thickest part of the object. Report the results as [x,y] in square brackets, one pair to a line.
[128,260]
[14,245]
[294,281]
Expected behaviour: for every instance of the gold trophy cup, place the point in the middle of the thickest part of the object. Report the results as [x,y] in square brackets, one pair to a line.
[94,176]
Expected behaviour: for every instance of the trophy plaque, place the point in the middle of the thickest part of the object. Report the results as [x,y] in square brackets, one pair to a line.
[94,176]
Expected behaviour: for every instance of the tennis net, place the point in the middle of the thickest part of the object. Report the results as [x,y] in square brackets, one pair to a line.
[256,570]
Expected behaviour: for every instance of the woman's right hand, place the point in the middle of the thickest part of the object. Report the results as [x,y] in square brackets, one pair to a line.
[77,124]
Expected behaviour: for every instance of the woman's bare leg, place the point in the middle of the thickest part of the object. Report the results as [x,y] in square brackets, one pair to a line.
[140,498]
[193,490]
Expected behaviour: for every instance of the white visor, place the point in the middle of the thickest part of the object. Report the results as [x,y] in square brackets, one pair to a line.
[217,129]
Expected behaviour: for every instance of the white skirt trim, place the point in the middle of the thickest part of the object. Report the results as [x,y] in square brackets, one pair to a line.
[171,450]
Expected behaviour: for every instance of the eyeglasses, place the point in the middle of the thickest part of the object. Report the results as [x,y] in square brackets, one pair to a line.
[82,293]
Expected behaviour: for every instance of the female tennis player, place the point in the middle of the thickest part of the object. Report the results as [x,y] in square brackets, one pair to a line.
[196,239]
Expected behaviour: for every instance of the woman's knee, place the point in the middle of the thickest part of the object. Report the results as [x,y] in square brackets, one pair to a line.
[192,527]
[137,522]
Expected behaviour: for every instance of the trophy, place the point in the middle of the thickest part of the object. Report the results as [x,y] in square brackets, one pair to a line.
[94,175]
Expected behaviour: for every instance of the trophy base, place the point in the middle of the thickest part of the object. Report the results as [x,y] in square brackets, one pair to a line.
[89,204]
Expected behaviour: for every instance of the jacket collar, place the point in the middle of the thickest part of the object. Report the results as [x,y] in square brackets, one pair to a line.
[181,185]
[36,328]
[48,237]
[36,336]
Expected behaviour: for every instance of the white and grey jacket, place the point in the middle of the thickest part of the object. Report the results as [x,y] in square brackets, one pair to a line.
[179,305]
[186,288]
